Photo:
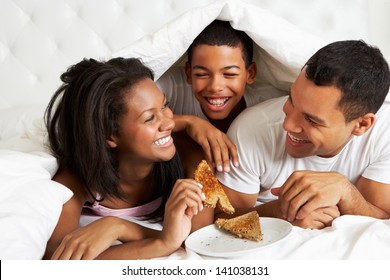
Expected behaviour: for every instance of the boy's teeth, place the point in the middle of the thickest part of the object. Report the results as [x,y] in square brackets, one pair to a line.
[217,101]
[162,141]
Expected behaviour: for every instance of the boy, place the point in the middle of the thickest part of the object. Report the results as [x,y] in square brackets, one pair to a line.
[216,85]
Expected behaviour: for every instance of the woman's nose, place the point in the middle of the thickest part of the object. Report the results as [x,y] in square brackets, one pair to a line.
[167,122]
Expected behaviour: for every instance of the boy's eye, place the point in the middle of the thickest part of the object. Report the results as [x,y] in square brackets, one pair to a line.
[231,74]
[200,74]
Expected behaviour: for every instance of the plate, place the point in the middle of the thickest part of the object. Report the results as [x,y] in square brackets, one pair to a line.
[214,242]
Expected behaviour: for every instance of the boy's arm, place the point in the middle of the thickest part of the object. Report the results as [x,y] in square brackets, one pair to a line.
[217,147]
[182,122]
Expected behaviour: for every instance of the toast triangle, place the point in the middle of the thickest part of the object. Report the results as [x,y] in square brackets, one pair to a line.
[244,226]
[215,195]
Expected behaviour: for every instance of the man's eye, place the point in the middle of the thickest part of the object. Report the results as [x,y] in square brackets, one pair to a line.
[310,121]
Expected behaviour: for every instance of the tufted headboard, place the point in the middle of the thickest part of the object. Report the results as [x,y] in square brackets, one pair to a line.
[39,39]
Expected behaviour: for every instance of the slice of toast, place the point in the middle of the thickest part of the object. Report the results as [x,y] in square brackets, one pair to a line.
[244,226]
[215,195]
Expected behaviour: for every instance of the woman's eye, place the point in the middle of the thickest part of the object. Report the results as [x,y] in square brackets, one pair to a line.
[149,119]
[166,104]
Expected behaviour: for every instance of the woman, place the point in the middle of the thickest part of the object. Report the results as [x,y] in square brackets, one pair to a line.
[110,129]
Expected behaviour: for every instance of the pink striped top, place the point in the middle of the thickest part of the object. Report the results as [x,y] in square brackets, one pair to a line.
[99,210]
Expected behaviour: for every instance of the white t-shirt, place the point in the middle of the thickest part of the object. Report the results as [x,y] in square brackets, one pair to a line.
[183,102]
[260,139]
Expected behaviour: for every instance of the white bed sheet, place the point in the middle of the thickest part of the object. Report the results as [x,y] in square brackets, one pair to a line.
[349,238]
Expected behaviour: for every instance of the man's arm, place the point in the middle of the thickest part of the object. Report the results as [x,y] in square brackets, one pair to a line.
[369,198]
[305,191]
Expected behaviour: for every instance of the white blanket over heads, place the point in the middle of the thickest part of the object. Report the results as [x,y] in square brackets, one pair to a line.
[281,49]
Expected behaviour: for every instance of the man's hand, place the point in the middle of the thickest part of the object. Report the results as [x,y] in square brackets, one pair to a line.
[319,218]
[306,191]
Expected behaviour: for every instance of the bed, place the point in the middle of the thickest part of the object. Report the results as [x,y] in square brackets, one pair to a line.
[40,39]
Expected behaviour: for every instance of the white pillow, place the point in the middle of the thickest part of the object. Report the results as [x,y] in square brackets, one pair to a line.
[30,203]
[19,120]
[22,128]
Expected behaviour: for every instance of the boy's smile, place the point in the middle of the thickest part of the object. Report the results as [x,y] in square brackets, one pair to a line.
[218,77]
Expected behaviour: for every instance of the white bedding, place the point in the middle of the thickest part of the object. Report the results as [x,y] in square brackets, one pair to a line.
[30,202]
[349,238]
[281,48]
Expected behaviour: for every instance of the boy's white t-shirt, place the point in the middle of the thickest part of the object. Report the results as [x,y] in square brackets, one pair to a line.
[260,139]
[183,102]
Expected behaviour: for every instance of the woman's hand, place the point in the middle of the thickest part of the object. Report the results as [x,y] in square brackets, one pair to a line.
[90,241]
[184,202]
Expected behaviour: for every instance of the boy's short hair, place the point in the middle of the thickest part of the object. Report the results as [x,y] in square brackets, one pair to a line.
[221,33]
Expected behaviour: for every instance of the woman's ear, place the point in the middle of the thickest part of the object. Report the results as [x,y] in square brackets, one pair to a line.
[252,71]
[111,142]
[188,72]
[363,124]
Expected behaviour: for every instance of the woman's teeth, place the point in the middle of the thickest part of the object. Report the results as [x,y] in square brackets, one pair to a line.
[298,140]
[217,101]
[162,141]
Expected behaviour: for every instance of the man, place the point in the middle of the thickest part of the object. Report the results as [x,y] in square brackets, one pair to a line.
[327,146]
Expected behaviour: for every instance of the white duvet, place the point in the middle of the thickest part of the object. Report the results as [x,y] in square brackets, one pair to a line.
[30,203]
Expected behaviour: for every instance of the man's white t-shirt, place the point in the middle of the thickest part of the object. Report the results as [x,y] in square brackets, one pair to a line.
[260,139]
[183,102]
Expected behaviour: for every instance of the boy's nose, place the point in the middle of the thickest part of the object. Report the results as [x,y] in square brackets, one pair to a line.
[216,84]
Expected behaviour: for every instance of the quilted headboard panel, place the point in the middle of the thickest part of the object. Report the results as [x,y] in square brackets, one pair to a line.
[39,39]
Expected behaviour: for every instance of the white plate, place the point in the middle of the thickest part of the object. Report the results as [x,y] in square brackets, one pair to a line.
[212,241]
